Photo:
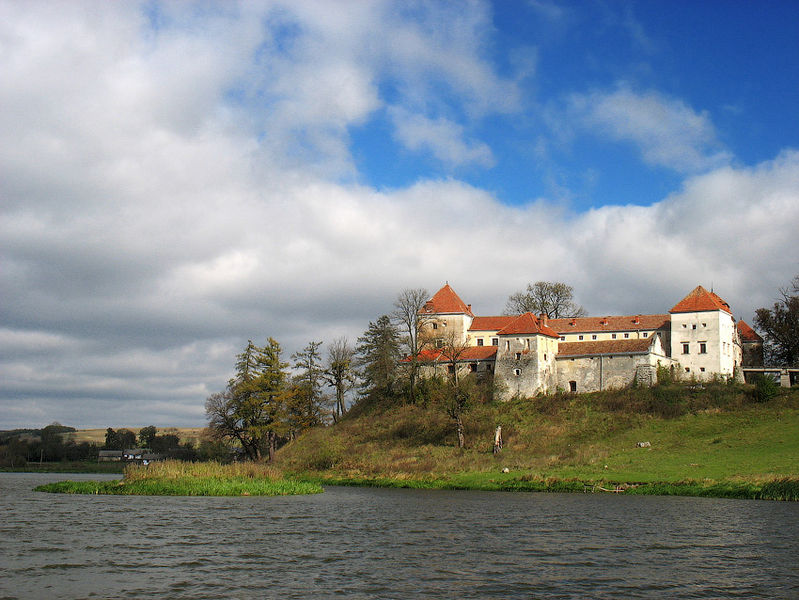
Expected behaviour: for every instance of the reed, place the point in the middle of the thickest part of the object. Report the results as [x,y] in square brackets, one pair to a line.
[175,478]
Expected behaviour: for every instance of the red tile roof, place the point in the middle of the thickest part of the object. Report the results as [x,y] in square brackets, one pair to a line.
[490,323]
[470,353]
[747,333]
[604,347]
[527,324]
[700,300]
[594,324]
[446,301]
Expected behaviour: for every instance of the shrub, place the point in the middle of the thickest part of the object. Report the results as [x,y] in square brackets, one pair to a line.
[765,388]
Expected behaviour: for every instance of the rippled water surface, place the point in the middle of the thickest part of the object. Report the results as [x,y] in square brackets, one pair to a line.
[371,543]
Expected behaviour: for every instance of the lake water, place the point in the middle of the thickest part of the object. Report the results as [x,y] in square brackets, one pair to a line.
[373,543]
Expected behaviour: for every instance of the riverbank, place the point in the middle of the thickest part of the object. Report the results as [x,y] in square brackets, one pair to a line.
[174,478]
[712,440]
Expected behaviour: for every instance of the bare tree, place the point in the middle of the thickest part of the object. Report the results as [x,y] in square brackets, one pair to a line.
[411,320]
[339,373]
[458,399]
[554,299]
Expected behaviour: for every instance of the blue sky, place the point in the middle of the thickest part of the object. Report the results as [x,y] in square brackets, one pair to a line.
[177,178]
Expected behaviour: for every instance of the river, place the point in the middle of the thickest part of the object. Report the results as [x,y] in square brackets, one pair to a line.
[382,543]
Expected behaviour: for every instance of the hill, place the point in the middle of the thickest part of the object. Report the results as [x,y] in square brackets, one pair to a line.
[709,435]
[97,436]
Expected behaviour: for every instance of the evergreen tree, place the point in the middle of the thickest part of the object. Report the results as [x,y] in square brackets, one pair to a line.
[306,408]
[377,357]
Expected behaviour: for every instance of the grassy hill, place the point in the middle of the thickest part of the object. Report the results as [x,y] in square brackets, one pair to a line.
[710,435]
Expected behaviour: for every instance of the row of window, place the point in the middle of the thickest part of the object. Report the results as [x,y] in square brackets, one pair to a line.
[686,348]
[494,341]
[685,325]
[613,336]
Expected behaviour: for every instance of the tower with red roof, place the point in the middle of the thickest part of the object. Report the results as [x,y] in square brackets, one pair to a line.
[704,337]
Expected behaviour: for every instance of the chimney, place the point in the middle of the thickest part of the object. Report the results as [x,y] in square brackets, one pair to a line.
[543,318]
[637,320]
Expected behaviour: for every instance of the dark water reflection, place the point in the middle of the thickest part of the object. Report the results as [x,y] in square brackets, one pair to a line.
[366,543]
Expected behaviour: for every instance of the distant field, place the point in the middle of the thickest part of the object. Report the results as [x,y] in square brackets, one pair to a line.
[97,436]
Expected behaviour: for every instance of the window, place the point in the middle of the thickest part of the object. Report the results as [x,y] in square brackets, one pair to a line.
[563,338]
[613,336]
[684,326]
[479,341]
[495,341]
[439,343]
[517,372]
[507,344]
[593,337]
[702,347]
[451,369]
[518,356]
[580,338]
[435,325]
[685,349]
[687,369]
[704,324]
[528,343]
[693,326]
[644,334]
[473,367]
[545,355]
[626,336]
[702,369]
[572,386]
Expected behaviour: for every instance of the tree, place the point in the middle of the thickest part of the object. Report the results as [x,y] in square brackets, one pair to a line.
[339,373]
[780,327]
[459,397]
[554,299]
[251,411]
[307,406]
[146,436]
[377,356]
[411,320]
[119,440]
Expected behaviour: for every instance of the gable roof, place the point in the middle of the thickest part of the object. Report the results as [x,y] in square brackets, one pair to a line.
[571,349]
[446,300]
[700,300]
[490,323]
[747,333]
[527,324]
[622,323]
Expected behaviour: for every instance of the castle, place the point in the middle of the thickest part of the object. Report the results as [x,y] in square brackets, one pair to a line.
[530,354]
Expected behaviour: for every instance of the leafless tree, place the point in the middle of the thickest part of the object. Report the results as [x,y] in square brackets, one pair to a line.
[339,372]
[411,320]
[554,299]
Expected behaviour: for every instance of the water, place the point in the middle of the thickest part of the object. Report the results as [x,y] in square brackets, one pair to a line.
[371,543]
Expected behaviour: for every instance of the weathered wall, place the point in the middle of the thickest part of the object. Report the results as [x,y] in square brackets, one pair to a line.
[533,357]
[595,373]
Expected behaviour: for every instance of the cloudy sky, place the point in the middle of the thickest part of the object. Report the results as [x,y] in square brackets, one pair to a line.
[176,178]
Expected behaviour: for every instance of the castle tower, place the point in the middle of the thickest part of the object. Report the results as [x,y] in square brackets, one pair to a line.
[525,363]
[704,339]
[446,315]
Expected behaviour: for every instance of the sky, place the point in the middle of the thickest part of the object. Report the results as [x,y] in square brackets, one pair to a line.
[177,178]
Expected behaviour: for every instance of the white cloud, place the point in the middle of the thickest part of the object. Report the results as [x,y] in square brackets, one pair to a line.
[666,131]
[151,223]
[443,138]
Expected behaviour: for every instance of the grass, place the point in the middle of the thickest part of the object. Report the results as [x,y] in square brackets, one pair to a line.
[714,440]
[174,478]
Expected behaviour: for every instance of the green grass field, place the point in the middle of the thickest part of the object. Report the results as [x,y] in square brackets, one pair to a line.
[714,440]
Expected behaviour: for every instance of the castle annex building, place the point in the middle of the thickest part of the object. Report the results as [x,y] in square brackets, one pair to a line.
[529,354]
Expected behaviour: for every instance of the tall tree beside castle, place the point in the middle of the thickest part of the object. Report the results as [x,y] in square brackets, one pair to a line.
[411,319]
[780,325]
[377,356]
[553,299]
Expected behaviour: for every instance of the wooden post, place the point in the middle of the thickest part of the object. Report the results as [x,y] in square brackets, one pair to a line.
[498,440]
